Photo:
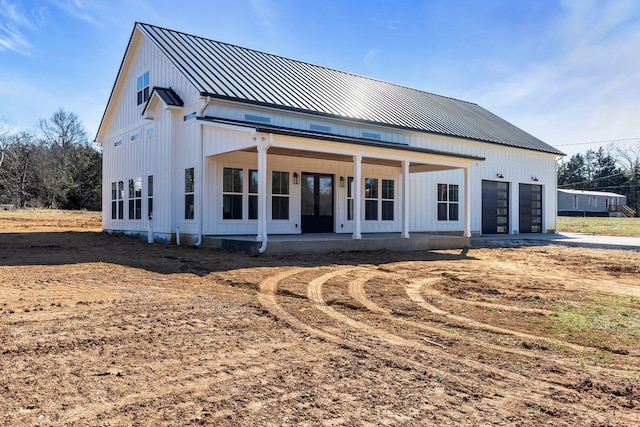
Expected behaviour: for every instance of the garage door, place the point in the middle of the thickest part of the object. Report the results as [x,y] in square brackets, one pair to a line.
[530,208]
[495,207]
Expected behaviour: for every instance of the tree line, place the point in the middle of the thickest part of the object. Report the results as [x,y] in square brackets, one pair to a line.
[53,166]
[615,170]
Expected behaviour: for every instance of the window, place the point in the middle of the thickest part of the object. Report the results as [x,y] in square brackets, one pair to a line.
[231,193]
[189,193]
[575,202]
[279,195]
[142,88]
[371,199]
[448,199]
[150,196]
[350,198]
[117,200]
[371,135]
[135,198]
[257,119]
[387,199]
[253,194]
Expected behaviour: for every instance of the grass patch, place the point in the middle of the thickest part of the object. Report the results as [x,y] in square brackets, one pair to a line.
[600,226]
[606,322]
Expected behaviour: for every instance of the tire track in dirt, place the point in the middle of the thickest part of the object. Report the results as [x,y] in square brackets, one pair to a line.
[414,288]
[315,295]
[496,379]
[356,289]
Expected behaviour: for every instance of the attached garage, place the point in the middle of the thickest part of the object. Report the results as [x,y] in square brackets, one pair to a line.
[495,207]
[530,208]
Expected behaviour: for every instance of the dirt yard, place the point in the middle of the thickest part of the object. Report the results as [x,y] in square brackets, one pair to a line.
[104,330]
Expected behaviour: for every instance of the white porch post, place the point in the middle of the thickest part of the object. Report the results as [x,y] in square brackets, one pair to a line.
[262,191]
[467,201]
[405,199]
[357,196]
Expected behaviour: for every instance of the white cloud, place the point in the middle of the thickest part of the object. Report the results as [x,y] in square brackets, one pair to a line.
[13,20]
[266,15]
[370,58]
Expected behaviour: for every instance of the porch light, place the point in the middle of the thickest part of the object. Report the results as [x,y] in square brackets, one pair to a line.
[499,175]
[295,177]
[342,182]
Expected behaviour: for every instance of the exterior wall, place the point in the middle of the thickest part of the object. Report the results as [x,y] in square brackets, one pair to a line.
[515,165]
[137,148]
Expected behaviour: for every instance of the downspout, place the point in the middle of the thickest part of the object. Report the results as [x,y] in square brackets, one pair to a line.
[201,179]
[202,166]
[263,248]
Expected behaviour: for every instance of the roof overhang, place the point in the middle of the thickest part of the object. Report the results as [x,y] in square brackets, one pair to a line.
[373,152]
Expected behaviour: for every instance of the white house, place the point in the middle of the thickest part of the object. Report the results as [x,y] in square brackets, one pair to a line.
[210,139]
[592,203]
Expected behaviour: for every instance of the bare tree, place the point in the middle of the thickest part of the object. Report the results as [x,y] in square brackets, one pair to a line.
[61,134]
[629,160]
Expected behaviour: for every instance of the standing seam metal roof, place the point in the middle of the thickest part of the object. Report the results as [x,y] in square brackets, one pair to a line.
[227,71]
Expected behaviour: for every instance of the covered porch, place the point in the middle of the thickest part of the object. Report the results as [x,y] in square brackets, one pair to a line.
[350,226]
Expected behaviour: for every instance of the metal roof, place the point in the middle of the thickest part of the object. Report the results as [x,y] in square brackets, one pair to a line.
[168,95]
[231,72]
[590,193]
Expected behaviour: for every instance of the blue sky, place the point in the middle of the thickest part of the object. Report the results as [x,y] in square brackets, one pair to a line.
[567,72]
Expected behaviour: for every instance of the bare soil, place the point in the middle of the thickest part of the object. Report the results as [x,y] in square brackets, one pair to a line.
[99,329]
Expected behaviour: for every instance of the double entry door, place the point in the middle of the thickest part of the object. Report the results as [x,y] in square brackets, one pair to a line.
[316,203]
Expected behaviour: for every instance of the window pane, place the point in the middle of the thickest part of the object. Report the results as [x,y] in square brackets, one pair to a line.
[120,209]
[253,207]
[350,186]
[189,180]
[453,193]
[307,190]
[279,207]
[442,192]
[279,182]
[442,212]
[371,210]
[387,189]
[325,195]
[453,211]
[150,206]
[253,181]
[371,188]
[232,206]
[114,191]
[350,210]
[150,185]
[387,210]
[120,190]
[189,208]
[114,210]
[131,209]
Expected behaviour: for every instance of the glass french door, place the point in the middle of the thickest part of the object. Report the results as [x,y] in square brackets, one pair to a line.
[317,203]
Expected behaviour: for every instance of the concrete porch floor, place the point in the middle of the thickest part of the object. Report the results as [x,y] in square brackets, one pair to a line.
[281,244]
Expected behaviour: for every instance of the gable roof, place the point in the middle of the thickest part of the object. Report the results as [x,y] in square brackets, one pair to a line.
[225,71]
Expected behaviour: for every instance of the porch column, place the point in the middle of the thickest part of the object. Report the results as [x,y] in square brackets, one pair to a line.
[262,191]
[357,196]
[405,199]
[467,201]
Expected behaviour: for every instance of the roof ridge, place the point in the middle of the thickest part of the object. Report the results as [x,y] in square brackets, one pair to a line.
[304,62]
